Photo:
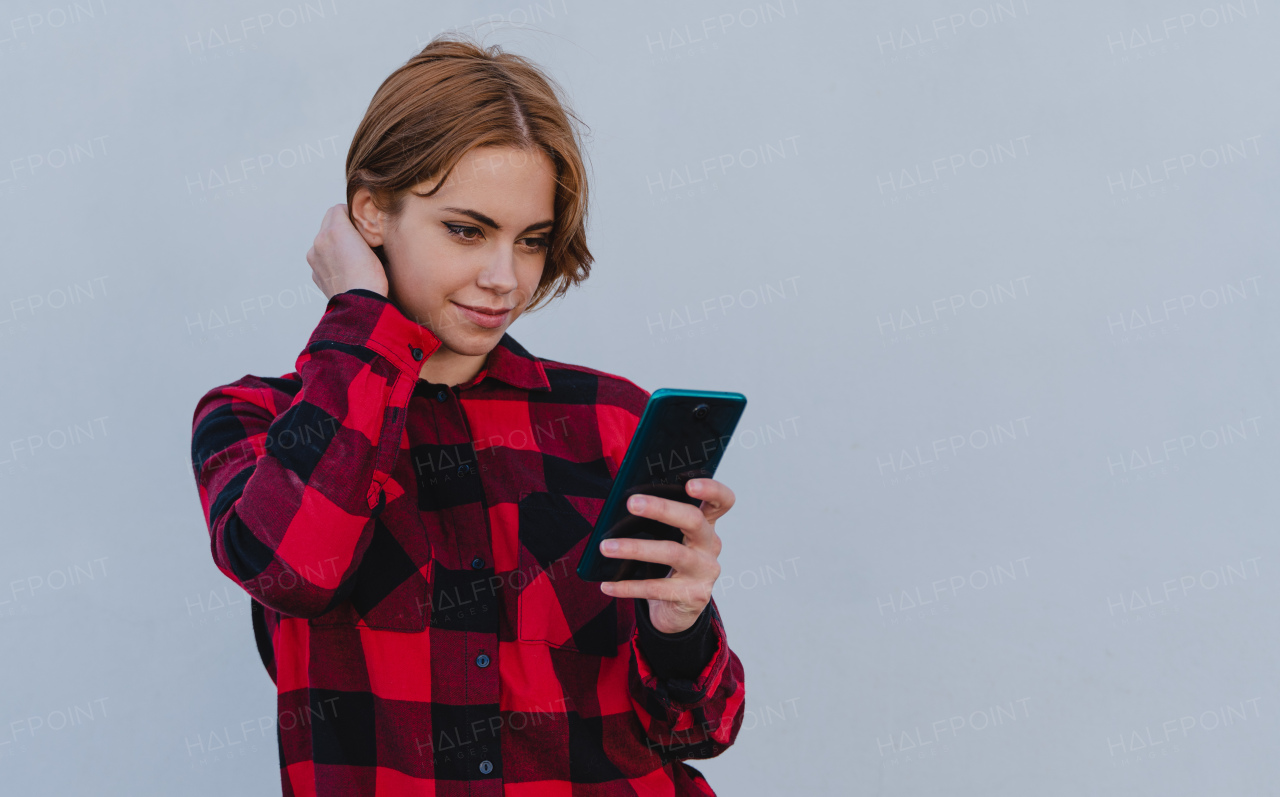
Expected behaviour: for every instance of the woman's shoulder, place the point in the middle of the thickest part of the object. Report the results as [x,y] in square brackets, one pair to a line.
[574,383]
[271,393]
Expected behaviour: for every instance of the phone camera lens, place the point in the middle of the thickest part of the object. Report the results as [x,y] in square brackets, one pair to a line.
[701,411]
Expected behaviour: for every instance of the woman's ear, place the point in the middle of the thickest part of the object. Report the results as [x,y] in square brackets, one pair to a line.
[369,221]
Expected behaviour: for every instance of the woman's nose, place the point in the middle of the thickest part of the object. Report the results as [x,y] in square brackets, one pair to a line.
[500,273]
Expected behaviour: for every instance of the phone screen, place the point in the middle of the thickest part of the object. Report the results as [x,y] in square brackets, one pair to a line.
[682,435]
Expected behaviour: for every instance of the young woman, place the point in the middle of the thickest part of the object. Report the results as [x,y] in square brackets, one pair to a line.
[407,508]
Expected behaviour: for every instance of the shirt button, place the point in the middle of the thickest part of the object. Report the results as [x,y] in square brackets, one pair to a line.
[416,352]
[486,766]
[482,660]
[441,396]
[477,563]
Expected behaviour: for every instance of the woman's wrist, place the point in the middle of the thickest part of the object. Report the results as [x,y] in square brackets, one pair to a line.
[683,654]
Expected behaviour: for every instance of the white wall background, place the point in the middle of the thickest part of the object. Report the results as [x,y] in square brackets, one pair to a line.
[998,278]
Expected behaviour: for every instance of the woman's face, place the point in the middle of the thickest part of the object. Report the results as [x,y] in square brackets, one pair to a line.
[480,242]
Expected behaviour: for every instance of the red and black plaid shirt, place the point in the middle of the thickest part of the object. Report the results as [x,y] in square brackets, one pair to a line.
[411,550]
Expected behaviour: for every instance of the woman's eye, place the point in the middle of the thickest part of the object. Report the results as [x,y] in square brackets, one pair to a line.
[537,243]
[458,231]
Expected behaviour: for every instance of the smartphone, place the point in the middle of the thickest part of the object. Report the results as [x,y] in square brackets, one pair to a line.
[682,435]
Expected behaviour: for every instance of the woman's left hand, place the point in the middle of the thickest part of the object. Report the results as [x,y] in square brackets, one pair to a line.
[675,601]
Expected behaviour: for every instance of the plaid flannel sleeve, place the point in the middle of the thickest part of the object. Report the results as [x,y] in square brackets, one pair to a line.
[696,717]
[290,482]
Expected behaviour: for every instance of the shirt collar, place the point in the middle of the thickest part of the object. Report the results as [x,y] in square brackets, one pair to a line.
[512,363]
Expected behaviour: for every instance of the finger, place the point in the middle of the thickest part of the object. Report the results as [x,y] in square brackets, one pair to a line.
[698,532]
[664,552]
[686,517]
[716,497]
[680,591]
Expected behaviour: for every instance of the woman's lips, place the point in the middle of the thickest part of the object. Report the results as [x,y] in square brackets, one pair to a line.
[488,320]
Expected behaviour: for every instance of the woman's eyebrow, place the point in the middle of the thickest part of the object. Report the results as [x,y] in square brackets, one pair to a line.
[483,219]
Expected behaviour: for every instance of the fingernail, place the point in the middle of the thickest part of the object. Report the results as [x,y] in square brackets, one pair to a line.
[605,586]
[609,546]
[637,502]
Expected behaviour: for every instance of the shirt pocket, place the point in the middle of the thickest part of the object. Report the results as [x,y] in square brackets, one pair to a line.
[388,592]
[554,606]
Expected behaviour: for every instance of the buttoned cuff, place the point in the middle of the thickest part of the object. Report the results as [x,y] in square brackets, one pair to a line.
[367,318]
[684,654]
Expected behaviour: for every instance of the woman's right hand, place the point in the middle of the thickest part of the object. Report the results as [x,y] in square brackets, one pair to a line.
[341,259]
